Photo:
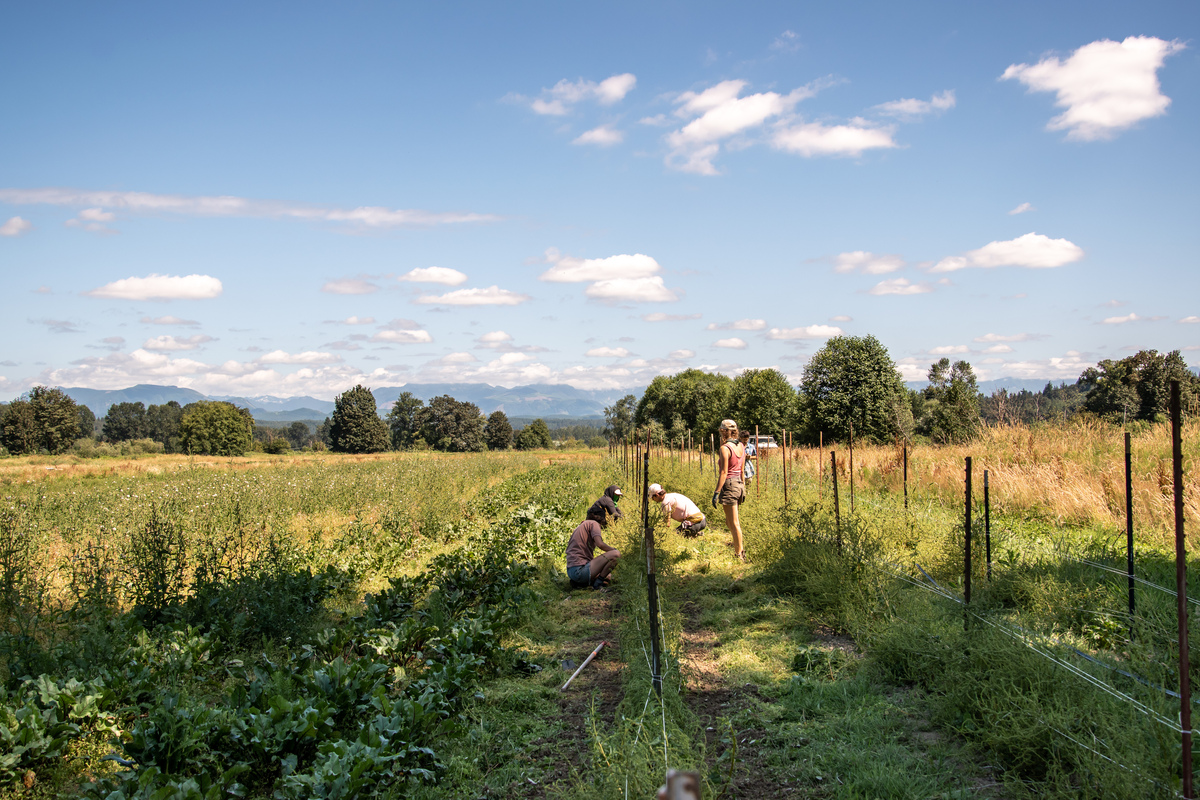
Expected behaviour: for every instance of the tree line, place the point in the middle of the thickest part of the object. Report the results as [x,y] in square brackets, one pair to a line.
[47,420]
[445,424]
[852,382]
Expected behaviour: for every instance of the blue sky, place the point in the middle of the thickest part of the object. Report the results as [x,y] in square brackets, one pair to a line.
[294,198]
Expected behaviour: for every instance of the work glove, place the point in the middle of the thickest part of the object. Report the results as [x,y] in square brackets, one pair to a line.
[716,496]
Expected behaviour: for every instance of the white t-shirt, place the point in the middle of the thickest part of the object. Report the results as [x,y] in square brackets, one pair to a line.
[678,507]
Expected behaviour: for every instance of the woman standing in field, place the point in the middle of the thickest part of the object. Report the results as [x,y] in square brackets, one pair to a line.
[730,491]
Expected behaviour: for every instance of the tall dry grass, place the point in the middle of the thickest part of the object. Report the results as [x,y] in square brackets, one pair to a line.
[1067,474]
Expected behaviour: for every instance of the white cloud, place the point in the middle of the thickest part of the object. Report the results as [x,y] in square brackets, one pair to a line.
[1016,337]
[1123,320]
[659,316]
[623,277]
[948,350]
[15,226]
[96,215]
[604,136]
[912,370]
[161,287]
[353,321]
[900,286]
[491,296]
[1021,209]
[1066,367]
[494,338]
[635,290]
[732,344]
[1105,87]
[307,357]
[1192,319]
[841,318]
[1033,251]
[998,348]
[806,332]
[911,108]
[396,336]
[810,139]
[680,355]
[457,358]
[557,100]
[787,42]
[168,343]
[227,206]
[867,263]
[740,325]
[349,286]
[720,114]
[169,320]
[568,269]
[442,275]
[607,352]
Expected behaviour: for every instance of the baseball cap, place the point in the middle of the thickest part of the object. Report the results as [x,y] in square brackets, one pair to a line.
[655,488]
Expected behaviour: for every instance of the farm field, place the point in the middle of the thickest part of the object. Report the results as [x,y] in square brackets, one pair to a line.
[396,626]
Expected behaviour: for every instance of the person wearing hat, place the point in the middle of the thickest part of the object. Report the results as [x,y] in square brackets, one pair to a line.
[679,508]
[606,506]
[731,492]
[583,570]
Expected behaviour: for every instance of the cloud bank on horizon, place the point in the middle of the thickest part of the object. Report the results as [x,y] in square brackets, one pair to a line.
[554,221]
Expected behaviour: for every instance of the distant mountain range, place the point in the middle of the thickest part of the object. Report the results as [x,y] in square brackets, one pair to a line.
[534,400]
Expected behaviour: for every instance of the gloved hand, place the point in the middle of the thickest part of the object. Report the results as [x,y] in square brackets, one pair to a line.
[716,496]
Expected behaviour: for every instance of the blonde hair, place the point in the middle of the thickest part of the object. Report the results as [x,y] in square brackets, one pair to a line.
[729,430]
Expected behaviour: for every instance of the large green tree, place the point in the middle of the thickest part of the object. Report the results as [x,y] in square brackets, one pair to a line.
[852,378]
[57,418]
[497,431]
[87,422]
[534,436]
[404,420]
[18,428]
[618,418]
[125,421]
[763,398]
[356,426]
[1138,386]
[163,424]
[951,408]
[215,428]
[297,434]
[45,419]
[452,425]
[690,400]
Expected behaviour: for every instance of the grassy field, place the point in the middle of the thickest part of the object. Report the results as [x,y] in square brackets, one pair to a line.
[398,625]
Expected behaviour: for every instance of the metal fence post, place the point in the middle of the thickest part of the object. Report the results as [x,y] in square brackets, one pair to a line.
[1185,692]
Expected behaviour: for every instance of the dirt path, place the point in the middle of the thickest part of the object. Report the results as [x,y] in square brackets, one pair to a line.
[710,698]
[601,682]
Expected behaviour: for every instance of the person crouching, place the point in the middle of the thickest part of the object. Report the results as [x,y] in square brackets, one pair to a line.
[681,509]
[582,569]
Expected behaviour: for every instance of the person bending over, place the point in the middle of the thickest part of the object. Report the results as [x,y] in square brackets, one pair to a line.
[679,508]
[582,569]
[606,506]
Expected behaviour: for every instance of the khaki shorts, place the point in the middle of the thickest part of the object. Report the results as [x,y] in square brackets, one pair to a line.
[732,492]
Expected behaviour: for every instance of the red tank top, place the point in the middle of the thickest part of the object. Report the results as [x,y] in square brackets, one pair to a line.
[735,462]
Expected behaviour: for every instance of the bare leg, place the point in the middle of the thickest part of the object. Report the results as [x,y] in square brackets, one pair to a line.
[735,527]
[601,565]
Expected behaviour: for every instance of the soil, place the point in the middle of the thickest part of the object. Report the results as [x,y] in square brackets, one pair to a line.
[710,698]
[600,682]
